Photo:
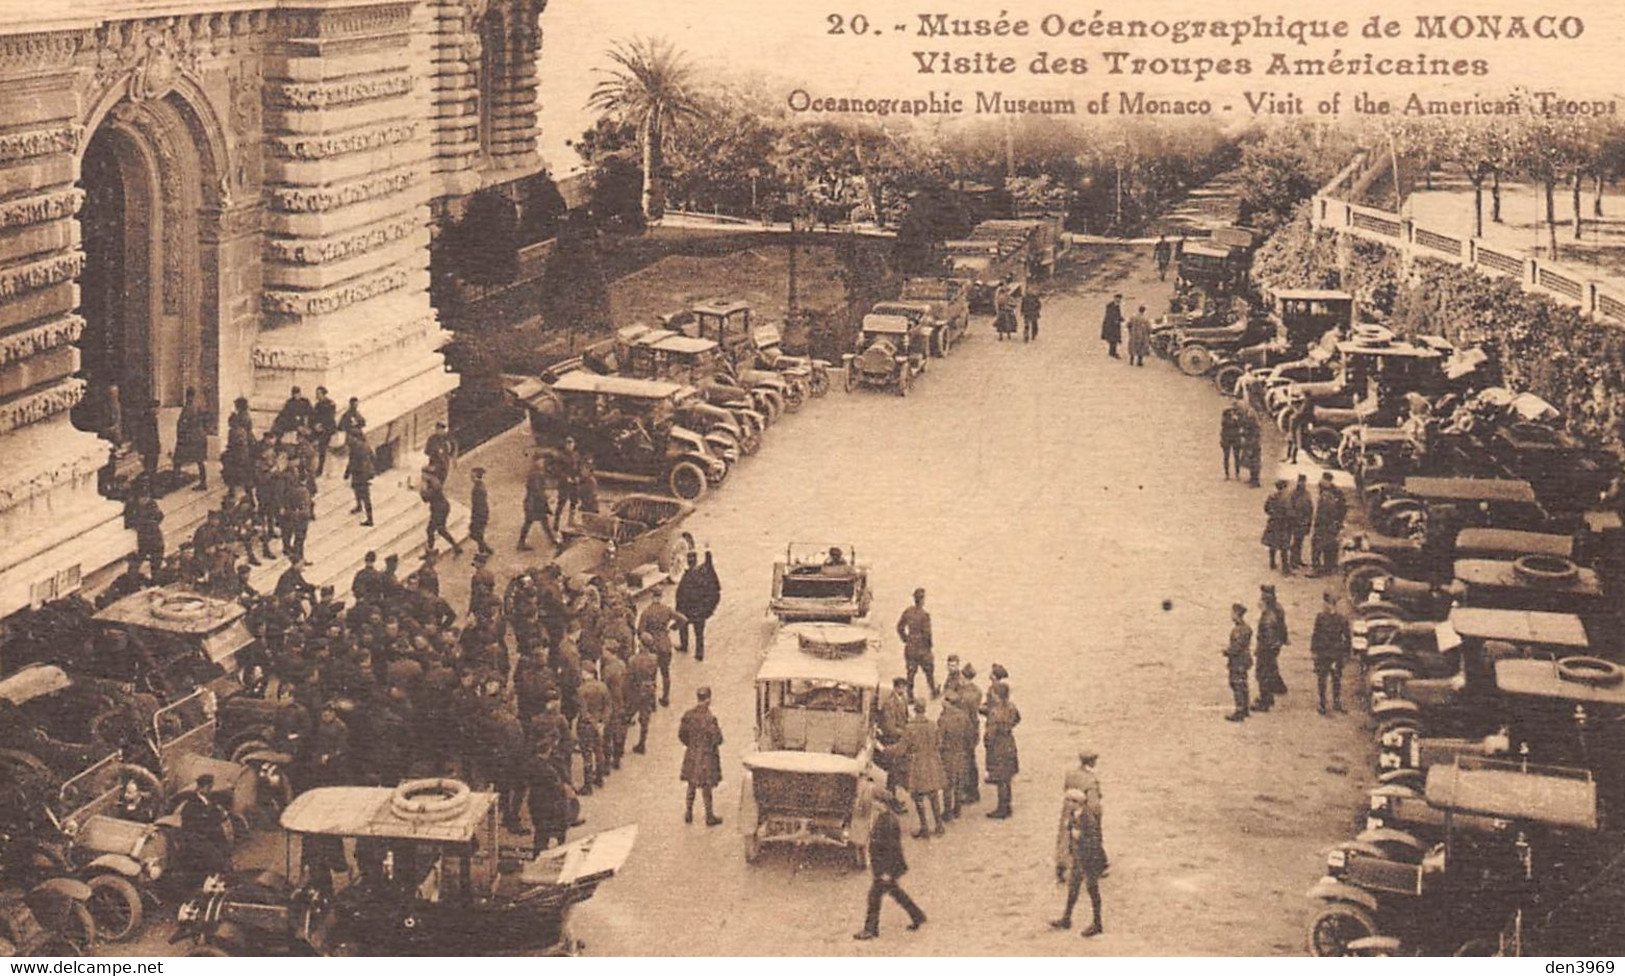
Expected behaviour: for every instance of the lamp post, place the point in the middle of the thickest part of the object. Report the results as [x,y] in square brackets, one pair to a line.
[791,300]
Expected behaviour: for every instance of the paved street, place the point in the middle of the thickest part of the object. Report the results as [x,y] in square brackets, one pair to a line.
[1049,499]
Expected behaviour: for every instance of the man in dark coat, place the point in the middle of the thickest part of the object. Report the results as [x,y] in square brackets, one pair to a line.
[1238,659]
[926,777]
[969,697]
[1252,447]
[295,413]
[147,520]
[999,742]
[641,673]
[1329,645]
[363,467]
[1301,516]
[1162,253]
[914,629]
[1232,427]
[701,737]
[192,440]
[1272,636]
[205,830]
[324,425]
[441,450]
[1111,327]
[1031,307]
[145,438]
[479,510]
[957,735]
[1277,537]
[433,493]
[657,622]
[886,864]
[297,509]
[893,757]
[549,802]
[1331,510]
[698,593]
[1080,815]
[536,506]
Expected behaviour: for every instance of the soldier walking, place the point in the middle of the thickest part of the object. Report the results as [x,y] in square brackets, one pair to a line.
[1232,425]
[1081,859]
[641,672]
[1329,645]
[887,865]
[479,510]
[914,628]
[1272,636]
[433,492]
[1238,659]
[701,737]
[654,628]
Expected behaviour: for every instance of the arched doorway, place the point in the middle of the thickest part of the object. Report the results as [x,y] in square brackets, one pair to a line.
[148,336]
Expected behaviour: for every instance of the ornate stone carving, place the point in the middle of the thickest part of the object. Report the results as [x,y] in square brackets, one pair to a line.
[40,338]
[18,485]
[269,355]
[39,274]
[246,83]
[346,91]
[38,210]
[325,146]
[32,408]
[329,300]
[16,146]
[32,51]
[318,199]
[152,53]
[346,246]
[356,21]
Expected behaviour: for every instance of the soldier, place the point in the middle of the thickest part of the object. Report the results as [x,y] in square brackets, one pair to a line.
[970,702]
[1031,307]
[999,741]
[1161,253]
[363,467]
[641,672]
[914,629]
[1082,858]
[297,510]
[1232,426]
[657,622]
[893,721]
[428,578]
[1139,338]
[1111,327]
[295,413]
[147,520]
[1238,658]
[441,450]
[1252,447]
[1301,512]
[324,425]
[701,737]
[352,420]
[479,510]
[612,672]
[591,719]
[886,864]
[365,586]
[1277,535]
[1330,511]
[1272,636]
[957,732]
[433,492]
[536,508]
[926,777]
[698,594]
[191,440]
[566,465]
[1329,645]
[548,802]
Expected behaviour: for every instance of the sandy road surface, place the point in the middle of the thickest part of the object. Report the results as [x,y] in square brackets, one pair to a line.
[1049,499]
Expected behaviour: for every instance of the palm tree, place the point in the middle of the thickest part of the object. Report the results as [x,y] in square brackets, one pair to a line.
[651,85]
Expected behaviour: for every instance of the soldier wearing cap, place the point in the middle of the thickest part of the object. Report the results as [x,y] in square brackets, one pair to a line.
[1080,856]
[887,864]
[1238,659]
[1272,636]
[914,629]
[1328,646]
[969,696]
[479,510]
[701,737]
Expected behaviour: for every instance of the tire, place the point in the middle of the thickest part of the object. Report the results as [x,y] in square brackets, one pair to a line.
[1228,377]
[1593,671]
[818,383]
[794,396]
[248,747]
[1323,444]
[1357,581]
[1399,723]
[116,905]
[772,406]
[1380,610]
[750,443]
[1335,926]
[1545,569]
[1348,453]
[1194,360]
[685,480]
[430,800]
[79,928]
[1395,516]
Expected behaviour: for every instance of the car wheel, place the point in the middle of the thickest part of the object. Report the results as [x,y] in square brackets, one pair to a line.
[1228,378]
[116,906]
[772,406]
[750,443]
[1323,444]
[1335,926]
[818,383]
[1545,569]
[1194,360]
[1380,610]
[794,396]
[248,747]
[1357,582]
[686,481]
[79,927]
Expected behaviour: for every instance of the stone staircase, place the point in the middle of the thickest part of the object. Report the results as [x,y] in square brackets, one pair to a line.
[337,543]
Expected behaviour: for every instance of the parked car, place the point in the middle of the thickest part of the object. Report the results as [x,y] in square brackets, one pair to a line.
[727,322]
[1302,318]
[891,352]
[819,582]
[921,314]
[171,641]
[113,839]
[637,530]
[817,691]
[432,879]
[949,301]
[626,427]
[51,722]
[770,355]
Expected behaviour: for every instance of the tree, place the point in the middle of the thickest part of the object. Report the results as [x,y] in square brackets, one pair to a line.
[575,291]
[1547,149]
[651,86]
[1282,167]
[934,215]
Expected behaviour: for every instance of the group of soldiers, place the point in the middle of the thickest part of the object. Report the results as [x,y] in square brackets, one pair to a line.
[1292,516]
[1330,644]
[1241,440]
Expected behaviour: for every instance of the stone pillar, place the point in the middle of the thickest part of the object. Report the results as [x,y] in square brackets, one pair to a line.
[513,110]
[49,506]
[346,302]
[455,45]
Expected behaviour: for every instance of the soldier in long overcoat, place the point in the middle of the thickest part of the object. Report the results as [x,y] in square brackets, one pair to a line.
[926,777]
[701,737]
[957,733]
[192,440]
[1003,761]
[1277,535]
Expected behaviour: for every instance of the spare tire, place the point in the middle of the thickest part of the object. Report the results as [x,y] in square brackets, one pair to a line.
[1593,671]
[430,800]
[1542,568]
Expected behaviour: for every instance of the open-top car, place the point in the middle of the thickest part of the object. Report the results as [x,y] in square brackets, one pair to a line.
[891,352]
[52,722]
[637,531]
[431,878]
[1302,318]
[626,427]
[923,315]
[1465,894]
[817,691]
[770,354]
[819,582]
[949,300]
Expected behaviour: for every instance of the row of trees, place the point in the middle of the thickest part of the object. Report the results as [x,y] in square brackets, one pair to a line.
[728,145]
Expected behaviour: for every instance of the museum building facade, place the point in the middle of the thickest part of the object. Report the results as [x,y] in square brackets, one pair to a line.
[232,197]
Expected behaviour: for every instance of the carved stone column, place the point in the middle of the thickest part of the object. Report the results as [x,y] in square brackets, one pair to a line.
[457,57]
[513,135]
[346,278]
[48,496]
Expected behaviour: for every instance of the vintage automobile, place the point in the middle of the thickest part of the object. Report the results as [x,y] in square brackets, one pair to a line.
[1441,507]
[921,314]
[1211,267]
[112,838]
[891,352]
[813,584]
[727,322]
[700,363]
[183,743]
[638,530]
[1303,318]
[49,721]
[1370,370]
[46,919]
[769,340]
[817,691]
[171,641]
[627,427]
[949,299]
[1461,895]
[1196,348]
[431,879]
[713,405]
[1529,582]
[985,264]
